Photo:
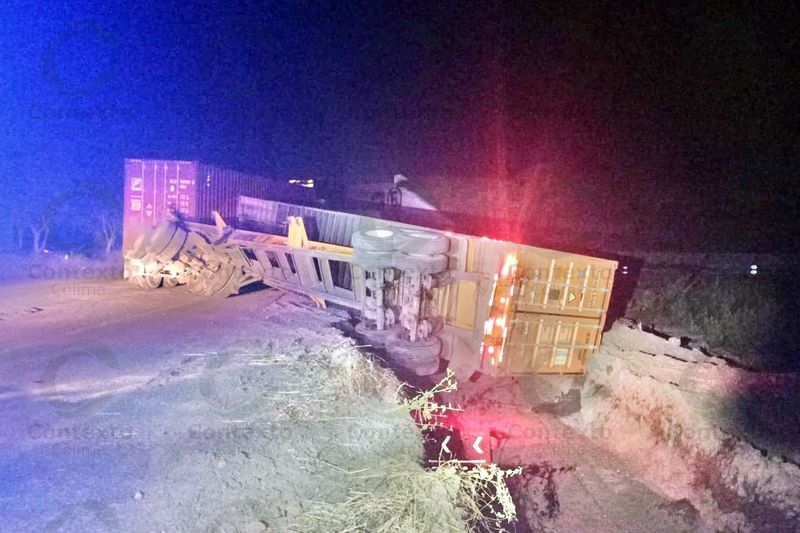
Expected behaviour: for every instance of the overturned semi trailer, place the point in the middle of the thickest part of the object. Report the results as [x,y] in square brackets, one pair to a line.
[482,305]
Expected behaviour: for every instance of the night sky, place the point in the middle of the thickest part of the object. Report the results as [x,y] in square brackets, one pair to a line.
[693,103]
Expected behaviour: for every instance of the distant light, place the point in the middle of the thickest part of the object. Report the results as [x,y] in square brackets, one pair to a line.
[624,269]
[753,267]
[66,256]
[307,183]
[754,272]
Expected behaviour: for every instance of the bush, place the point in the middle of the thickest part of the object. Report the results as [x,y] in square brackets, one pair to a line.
[752,317]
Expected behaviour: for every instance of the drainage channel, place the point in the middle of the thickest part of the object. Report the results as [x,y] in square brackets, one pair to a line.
[472,439]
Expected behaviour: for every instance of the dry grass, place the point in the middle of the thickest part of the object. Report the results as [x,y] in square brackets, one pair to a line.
[482,496]
[407,499]
[334,373]
[417,500]
[386,489]
[350,373]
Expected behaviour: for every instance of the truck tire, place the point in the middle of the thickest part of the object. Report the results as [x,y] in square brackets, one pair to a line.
[425,264]
[148,281]
[373,260]
[426,369]
[161,236]
[222,283]
[139,248]
[420,357]
[231,286]
[169,281]
[195,284]
[366,329]
[166,252]
[422,242]
[374,240]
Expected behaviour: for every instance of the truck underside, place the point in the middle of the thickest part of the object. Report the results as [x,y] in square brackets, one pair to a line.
[482,305]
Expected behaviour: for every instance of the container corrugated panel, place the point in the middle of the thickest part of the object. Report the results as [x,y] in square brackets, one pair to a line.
[564,284]
[321,225]
[558,309]
[559,312]
[549,344]
[151,187]
[193,189]
[218,189]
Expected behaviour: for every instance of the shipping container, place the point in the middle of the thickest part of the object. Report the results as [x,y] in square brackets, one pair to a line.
[194,190]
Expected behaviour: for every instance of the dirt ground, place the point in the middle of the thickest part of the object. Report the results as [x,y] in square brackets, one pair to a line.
[569,481]
[132,411]
[156,411]
[721,437]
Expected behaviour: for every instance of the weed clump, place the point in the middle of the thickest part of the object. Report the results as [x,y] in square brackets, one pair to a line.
[352,374]
[752,318]
[424,407]
[419,500]
[395,493]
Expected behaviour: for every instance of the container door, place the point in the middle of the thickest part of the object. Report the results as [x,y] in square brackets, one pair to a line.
[558,312]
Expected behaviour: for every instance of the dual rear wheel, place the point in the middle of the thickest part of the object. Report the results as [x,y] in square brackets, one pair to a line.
[410,251]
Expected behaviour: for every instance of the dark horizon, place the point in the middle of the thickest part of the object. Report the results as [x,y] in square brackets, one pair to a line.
[677,107]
